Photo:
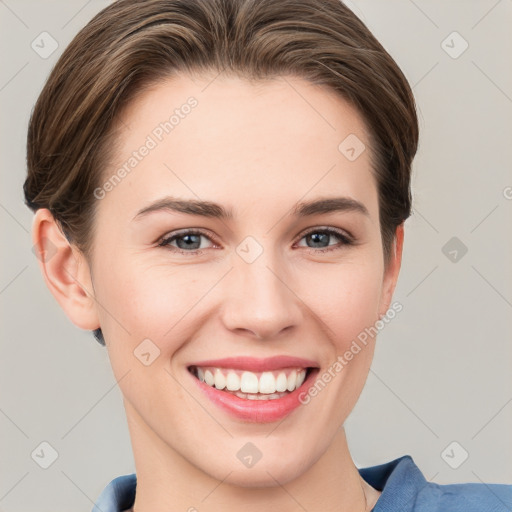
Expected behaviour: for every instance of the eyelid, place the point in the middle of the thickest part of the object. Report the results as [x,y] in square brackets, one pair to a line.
[345,237]
[187,231]
[331,229]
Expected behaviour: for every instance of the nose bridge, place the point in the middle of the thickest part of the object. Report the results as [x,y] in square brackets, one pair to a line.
[261,298]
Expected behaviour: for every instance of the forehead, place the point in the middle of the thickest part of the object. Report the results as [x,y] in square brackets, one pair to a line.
[233,141]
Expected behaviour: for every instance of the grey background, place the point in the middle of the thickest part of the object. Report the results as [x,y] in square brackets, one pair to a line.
[442,368]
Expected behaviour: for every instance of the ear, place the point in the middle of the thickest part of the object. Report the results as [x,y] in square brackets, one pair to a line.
[65,271]
[392,271]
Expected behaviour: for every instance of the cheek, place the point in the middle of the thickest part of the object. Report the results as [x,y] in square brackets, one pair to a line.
[149,301]
[349,300]
[145,319]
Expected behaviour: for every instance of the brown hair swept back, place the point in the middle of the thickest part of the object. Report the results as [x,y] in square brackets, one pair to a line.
[132,44]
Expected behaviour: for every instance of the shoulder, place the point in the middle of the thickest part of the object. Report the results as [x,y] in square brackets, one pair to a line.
[118,495]
[467,497]
[403,487]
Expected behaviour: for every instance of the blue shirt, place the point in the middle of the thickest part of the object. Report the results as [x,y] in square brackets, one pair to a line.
[403,486]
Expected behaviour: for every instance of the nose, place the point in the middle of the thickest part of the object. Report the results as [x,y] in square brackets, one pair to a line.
[260,301]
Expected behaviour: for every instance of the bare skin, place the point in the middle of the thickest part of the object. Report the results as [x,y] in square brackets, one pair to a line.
[257,149]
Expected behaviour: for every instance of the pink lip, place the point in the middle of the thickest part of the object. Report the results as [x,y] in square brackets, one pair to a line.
[257,411]
[254,364]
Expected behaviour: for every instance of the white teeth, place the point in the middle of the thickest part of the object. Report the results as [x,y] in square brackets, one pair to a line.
[281,382]
[261,385]
[259,396]
[267,383]
[208,378]
[249,383]
[292,380]
[220,380]
[233,381]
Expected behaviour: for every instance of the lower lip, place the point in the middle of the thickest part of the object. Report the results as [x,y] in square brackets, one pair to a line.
[258,411]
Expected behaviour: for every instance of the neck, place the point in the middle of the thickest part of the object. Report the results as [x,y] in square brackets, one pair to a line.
[167,482]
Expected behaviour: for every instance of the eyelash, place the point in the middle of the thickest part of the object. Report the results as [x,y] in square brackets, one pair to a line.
[346,240]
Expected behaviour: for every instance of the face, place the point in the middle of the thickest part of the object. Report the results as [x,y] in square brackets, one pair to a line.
[248,300]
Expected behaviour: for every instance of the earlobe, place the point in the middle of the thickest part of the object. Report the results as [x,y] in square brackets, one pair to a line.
[65,270]
[392,271]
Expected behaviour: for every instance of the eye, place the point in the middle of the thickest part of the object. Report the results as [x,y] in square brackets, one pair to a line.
[322,235]
[188,242]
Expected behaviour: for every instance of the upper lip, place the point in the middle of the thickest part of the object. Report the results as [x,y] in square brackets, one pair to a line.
[255,364]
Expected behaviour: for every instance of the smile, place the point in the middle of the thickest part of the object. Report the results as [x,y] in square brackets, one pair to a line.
[255,390]
[269,385]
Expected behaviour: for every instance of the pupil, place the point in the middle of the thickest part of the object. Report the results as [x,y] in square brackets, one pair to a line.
[317,236]
[188,241]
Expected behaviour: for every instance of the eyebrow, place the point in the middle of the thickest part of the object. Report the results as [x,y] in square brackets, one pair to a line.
[214,210]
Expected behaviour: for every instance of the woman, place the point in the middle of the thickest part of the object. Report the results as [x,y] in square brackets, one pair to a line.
[223,186]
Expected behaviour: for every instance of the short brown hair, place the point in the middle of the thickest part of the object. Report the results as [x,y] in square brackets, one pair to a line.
[132,44]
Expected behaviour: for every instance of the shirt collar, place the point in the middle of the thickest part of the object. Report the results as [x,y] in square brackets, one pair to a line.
[400,481]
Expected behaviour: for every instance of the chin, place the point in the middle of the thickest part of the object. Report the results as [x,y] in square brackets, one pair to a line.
[269,471]
[265,476]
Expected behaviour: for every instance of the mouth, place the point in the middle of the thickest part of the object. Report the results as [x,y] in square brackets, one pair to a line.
[268,385]
[255,390]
